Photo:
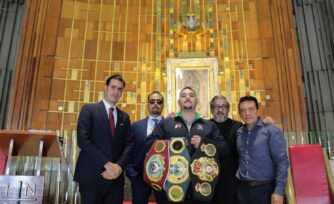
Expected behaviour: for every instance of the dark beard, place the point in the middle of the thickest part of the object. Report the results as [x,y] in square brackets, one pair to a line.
[220,120]
[187,108]
[156,110]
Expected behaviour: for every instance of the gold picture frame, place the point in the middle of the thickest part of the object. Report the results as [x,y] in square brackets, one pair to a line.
[199,73]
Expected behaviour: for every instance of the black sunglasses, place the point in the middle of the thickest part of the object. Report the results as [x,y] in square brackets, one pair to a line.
[152,101]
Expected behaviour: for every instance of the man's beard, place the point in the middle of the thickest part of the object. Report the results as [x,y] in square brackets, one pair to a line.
[187,107]
[220,119]
[156,111]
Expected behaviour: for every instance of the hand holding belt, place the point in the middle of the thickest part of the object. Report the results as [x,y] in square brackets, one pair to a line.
[204,170]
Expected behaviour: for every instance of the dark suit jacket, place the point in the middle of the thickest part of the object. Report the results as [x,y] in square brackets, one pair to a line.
[139,135]
[98,146]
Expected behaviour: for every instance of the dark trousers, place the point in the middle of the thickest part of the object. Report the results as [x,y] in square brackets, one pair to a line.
[101,191]
[141,192]
[225,191]
[260,194]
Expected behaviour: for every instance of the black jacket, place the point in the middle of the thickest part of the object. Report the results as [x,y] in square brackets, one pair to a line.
[176,127]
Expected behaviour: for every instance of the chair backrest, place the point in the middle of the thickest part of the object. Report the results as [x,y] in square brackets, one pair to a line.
[3,161]
[309,174]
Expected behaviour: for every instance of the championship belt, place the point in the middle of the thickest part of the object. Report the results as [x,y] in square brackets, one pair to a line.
[156,164]
[178,172]
[204,170]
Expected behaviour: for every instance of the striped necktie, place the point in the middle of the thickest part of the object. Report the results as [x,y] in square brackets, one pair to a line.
[155,122]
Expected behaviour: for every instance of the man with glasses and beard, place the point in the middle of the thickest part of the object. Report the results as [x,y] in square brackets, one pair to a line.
[225,191]
[140,130]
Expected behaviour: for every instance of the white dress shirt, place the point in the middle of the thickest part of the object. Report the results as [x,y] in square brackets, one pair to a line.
[150,124]
[108,106]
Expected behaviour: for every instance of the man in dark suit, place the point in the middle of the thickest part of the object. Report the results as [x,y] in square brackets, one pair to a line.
[140,130]
[105,141]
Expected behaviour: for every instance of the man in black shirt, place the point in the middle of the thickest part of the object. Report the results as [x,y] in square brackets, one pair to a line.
[225,192]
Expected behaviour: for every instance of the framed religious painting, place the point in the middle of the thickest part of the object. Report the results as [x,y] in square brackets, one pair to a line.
[199,73]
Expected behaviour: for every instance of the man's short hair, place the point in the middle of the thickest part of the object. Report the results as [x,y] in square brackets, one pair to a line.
[248,98]
[187,87]
[116,77]
[212,102]
[155,92]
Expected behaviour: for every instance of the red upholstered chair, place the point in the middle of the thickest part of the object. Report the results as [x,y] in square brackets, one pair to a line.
[311,177]
[3,161]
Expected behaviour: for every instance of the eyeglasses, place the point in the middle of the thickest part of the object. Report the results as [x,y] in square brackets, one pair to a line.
[217,107]
[158,101]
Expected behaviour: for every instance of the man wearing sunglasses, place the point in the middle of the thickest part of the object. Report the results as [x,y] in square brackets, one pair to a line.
[140,130]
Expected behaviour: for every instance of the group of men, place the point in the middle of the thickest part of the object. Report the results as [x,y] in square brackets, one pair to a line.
[252,155]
